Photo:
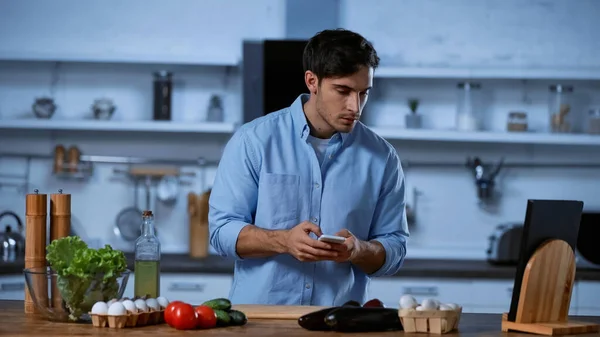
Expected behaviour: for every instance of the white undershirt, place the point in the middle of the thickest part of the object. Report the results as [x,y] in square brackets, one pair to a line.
[320,146]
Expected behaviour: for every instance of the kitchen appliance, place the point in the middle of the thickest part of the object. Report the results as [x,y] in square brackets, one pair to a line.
[273,76]
[12,244]
[504,243]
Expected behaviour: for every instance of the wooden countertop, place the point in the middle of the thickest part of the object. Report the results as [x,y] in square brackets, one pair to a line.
[13,322]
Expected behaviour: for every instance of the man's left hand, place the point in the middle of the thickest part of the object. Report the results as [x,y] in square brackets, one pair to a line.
[348,250]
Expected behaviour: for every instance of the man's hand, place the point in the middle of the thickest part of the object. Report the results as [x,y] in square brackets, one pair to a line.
[304,248]
[348,250]
[368,255]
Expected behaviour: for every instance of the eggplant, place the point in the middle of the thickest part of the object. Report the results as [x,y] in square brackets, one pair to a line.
[315,321]
[361,319]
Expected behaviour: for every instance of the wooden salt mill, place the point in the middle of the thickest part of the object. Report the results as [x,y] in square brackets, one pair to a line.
[198,213]
[60,226]
[35,248]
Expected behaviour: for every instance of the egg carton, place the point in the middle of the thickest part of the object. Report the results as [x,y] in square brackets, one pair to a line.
[130,320]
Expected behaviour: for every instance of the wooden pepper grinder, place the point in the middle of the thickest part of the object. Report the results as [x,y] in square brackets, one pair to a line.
[60,226]
[35,248]
[198,213]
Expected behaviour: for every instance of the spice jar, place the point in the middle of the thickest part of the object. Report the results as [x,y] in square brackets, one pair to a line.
[517,121]
[467,114]
[559,109]
[594,121]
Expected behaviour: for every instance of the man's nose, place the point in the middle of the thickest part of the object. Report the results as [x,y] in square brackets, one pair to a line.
[353,102]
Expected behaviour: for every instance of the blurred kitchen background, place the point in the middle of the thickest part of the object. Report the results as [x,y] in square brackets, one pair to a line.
[489,103]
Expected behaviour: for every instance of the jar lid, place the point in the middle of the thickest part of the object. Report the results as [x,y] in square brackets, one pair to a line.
[517,114]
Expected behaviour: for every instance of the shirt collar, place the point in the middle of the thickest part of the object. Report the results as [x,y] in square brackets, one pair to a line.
[301,127]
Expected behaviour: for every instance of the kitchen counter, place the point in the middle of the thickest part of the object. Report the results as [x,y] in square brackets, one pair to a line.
[19,324]
[468,269]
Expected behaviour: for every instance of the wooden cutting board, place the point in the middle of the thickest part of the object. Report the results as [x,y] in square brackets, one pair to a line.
[291,312]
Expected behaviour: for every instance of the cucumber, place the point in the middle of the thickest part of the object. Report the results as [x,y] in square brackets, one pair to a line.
[223,318]
[238,318]
[219,304]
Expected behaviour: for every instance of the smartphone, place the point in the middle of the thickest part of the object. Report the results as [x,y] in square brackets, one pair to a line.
[332,238]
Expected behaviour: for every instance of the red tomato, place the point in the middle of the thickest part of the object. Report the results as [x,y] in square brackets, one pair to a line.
[169,311]
[206,317]
[183,317]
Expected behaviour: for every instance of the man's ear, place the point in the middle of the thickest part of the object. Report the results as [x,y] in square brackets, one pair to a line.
[312,82]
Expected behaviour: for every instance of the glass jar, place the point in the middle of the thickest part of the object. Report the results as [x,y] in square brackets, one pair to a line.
[163,86]
[559,109]
[468,109]
[593,121]
[517,121]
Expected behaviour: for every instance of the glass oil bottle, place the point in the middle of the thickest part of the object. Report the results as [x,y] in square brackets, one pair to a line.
[147,260]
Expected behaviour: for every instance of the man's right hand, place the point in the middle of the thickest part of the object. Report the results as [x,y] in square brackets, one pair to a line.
[304,248]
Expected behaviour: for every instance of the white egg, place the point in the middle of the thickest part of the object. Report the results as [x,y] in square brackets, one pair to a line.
[141,305]
[111,301]
[454,306]
[162,301]
[117,309]
[100,308]
[408,302]
[429,304]
[420,308]
[130,306]
[446,307]
[152,303]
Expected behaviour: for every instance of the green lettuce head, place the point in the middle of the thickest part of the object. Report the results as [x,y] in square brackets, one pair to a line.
[85,275]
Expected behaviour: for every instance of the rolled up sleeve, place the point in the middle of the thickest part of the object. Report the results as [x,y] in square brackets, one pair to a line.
[233,197]
[389,226]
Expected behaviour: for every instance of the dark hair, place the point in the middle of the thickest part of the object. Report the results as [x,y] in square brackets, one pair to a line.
[338,53]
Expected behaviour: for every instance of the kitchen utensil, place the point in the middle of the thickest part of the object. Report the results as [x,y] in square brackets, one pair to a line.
[127,224]
[59,158]
[167,189]
[484,180]
[44,107]
[103,108]
[36,214]
[12,244]
[198,220]
[292,312]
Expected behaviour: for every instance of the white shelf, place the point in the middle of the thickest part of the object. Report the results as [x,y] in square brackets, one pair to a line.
[143,58]
[116,126]
[487,137]
[488,73]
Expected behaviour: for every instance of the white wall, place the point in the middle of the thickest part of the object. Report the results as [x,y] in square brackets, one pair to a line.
[458,33]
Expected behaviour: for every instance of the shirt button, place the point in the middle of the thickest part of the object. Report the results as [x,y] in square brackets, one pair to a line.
[330,156]
[307,286]
[315,220]
[317,185]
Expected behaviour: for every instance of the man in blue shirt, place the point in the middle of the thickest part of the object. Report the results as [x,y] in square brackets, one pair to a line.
[310,169]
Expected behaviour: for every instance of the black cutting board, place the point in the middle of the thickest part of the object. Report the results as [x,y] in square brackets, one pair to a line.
[544,219]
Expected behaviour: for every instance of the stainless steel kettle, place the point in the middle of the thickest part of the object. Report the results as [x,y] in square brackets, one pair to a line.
[12,244]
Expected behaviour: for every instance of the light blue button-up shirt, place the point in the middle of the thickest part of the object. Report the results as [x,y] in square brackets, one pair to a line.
[269,176]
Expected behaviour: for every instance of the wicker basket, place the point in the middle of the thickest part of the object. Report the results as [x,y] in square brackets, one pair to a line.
[432,321]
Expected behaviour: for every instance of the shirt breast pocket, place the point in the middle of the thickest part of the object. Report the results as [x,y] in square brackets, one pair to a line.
[278,199]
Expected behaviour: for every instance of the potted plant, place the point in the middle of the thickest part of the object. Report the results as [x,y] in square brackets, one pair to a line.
[413,119]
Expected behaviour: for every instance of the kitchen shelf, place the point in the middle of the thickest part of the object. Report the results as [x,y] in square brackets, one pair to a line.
[117,126]
[488,73]
[487,137]
[142,58]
